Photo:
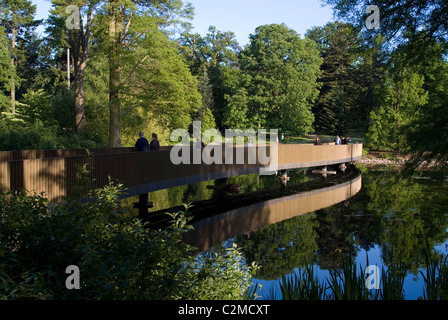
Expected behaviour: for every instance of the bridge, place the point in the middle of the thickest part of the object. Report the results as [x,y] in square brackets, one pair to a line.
[53,171]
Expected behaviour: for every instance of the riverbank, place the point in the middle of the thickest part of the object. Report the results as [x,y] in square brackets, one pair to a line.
[384,159]
[399,161]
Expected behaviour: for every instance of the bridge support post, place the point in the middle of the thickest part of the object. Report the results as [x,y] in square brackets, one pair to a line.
[324,172]
[284,179]
[143,205]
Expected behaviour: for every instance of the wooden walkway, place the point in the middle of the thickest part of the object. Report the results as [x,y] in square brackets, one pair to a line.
[53,171]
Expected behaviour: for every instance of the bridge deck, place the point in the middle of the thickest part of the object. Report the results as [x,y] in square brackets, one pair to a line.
[53,172]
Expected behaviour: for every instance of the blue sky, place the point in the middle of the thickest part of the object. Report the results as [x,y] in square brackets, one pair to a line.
[242,17]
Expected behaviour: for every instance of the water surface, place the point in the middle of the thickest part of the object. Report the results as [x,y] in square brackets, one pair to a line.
[378,216]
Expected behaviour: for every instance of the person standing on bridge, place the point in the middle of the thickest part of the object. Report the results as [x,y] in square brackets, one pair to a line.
[337,140]
[154,145]
[142,144]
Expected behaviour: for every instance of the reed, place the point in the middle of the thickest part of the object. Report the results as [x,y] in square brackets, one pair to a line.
[303,285]
[349,283]
[435,277]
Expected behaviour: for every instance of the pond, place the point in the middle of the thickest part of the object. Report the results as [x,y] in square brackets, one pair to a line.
[372,214]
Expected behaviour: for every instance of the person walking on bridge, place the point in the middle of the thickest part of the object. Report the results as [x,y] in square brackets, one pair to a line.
[154,145]
[337,140]
[142,144]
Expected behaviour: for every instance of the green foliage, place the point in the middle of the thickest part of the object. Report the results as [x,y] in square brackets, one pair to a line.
[340,48]
[15,136]
[7,72]
[277,85]
[350,283]
[37,106]
[304,285]
[402,98]
[397,17]
[436,276]
[214,54]
[204,114]
[413,33]
[219,276]
[119,258]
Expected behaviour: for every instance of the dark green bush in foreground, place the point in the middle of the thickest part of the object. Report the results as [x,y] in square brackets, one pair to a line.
[118,258]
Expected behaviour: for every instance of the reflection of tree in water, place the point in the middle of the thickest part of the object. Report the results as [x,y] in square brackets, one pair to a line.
[186,194]
[396,214]
[334,236]
[281,247]
[255,182]
[411,212]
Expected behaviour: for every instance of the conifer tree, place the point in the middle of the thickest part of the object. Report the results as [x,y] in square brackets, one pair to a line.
[7,72]
[15,16]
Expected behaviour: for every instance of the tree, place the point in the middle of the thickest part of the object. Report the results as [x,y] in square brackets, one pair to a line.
[15,15]
[204,114]
[147,83]
[76,40]
[216,48]
[398,17]
[368,76]
[422,26]
[428,135]
[277,84]
[7,71]
[218,52]
[127,23]
[339,44]
[402,97]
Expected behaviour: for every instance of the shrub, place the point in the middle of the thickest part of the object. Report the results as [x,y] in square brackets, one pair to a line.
[20,136]
[118,257]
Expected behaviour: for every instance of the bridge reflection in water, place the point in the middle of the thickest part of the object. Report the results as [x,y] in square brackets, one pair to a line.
[214,230]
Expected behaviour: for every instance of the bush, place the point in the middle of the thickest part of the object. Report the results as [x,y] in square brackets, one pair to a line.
[18,136]
[118,257]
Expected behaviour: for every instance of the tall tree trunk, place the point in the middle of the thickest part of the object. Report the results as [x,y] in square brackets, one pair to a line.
[114,78]
[79,43]
[80,118]
[13,64]
[68,68]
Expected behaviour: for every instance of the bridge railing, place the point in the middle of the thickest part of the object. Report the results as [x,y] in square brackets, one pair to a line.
[53,172]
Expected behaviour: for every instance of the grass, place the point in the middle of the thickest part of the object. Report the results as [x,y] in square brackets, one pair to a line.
[356,137]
